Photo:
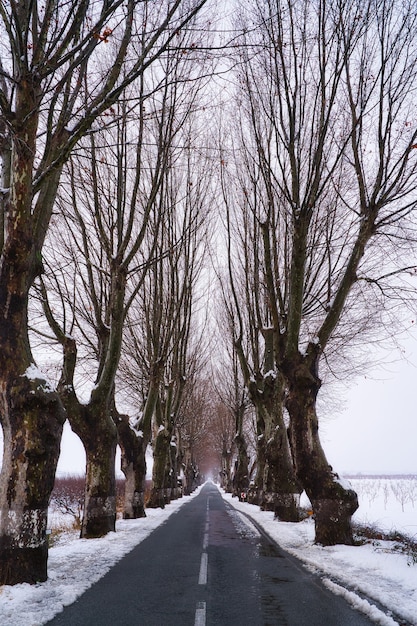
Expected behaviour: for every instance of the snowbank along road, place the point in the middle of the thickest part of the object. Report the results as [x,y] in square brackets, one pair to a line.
[208,565]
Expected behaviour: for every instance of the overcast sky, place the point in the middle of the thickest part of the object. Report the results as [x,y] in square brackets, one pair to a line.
[376,431]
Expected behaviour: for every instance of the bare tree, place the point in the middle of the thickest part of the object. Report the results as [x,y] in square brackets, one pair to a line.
[50,55]
[161,322]
[276,486]
[327,90]
[195,451]
[120,190]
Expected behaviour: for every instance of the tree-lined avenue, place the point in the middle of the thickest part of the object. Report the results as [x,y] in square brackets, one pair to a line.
[244,578]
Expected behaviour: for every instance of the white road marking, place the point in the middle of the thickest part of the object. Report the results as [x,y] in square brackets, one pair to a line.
[200,614]
[202,578]
[207,526]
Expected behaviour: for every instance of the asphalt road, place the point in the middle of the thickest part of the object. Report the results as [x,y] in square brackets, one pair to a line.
[205,566]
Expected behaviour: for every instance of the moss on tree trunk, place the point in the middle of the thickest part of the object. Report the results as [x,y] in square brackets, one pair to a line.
[160,457]
[100,441]
[32,420]
[133,465]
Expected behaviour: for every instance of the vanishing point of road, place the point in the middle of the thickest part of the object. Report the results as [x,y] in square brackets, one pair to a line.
[204,567]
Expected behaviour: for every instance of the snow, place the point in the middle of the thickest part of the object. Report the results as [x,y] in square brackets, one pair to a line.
[34,373]
[372,578]
[344,483]
[74,565]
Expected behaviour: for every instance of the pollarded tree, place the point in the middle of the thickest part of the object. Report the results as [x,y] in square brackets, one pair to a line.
[161,325]
[118,189]
[327,91]
[233,396]
[222,435]
[276,486]
[177,302]
[195,451]
[50,52]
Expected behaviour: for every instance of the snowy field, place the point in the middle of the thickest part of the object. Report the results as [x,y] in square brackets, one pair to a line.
[374,577]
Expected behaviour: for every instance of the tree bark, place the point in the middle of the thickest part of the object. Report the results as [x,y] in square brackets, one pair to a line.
[190,474]
[31,414]
[281,490]
[255,490]
[32,420]
[333,502]
[276,486]
[133,466]
[241,474]
[173,473]
[280,487]
[99,436]
[95,427]
[226,471]
[160,458]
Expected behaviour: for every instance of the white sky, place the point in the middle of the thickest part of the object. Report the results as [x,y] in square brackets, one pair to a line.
[377,430]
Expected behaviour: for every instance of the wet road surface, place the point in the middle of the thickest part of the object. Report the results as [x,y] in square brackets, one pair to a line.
[206,566]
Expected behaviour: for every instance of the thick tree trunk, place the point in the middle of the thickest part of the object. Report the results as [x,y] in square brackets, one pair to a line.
[95,427]
[280,488]
[256,488]
[100,482]
[160,458]
[276,486]
[97,431]
[241,474]
[31,413]
[172,469]
[333,502]
[32,420]
[281,491]
[190,473]
[100,441]
[133,465]
[226,471]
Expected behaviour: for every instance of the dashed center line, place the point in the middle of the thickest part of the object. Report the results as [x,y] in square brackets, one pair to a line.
[200,614]
[202,578]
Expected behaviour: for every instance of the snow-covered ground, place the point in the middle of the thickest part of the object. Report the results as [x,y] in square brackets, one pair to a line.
[373,578]
[387,579]
[74,565]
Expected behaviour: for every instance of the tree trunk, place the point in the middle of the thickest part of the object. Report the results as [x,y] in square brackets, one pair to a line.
[280,487]
[226,471]
[160,457]
[256,489]
[100,481]
[97,431]
[190,473]
[32,420]
[173,476]
[333,502]
[241,474]
[281,492]
[133,465]
[31,413]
